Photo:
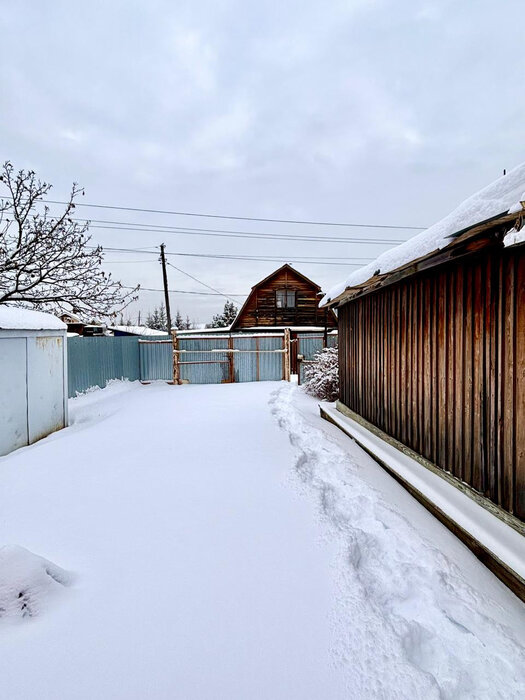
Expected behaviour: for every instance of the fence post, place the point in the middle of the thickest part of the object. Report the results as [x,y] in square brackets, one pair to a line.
[176,366]
[231,370]
[287,354]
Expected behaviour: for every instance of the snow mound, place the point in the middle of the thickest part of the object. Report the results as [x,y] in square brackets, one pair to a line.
[27,583]
[503,195]
[14,317]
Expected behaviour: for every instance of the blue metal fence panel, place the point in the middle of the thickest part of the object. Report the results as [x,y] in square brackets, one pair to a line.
[156,360]
[245,363]
[271,367]
[203,368]
[94,361]
[308,344]
[311,343]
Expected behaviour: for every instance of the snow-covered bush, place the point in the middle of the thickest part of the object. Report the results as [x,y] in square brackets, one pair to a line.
[321,376]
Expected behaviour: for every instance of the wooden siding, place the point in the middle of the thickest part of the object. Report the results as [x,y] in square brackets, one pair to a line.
[438,362]
[261,309]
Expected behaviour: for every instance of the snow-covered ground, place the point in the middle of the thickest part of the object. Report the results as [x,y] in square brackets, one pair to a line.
[206,542]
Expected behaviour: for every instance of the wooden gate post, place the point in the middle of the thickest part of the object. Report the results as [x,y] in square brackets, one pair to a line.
[287,354]
[231,368]
[176,366]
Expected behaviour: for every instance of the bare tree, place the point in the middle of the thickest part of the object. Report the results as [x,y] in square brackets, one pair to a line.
[45,260]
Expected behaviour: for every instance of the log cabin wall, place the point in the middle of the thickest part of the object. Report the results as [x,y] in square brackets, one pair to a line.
[261,307]
[437,361]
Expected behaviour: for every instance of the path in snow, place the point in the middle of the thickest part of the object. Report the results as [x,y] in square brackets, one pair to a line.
[423,618]
[202,566]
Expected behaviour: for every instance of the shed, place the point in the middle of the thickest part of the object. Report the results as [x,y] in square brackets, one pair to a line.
[33,376]
[432,348]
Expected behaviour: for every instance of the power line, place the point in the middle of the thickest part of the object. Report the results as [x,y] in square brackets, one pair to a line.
[256,258]
[201,282]
[127,262]
[227,233]
[183,291]
[236,218]
[219,233]
[182,271]
[307,260]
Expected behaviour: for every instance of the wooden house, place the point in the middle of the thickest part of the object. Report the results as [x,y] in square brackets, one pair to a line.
[284,299]
[432,349]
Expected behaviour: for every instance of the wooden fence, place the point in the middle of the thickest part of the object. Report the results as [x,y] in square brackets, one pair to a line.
[438,362]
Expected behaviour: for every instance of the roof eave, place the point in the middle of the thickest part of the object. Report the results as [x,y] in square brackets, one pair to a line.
[460,241]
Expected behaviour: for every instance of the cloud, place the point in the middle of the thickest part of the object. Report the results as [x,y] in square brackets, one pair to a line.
[299,109]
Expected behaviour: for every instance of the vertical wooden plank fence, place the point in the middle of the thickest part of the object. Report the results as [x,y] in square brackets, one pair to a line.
[437,361]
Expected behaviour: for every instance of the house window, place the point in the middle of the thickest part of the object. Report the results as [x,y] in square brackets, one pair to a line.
[285,299]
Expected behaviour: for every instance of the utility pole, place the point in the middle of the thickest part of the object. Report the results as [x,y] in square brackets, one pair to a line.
[165,280]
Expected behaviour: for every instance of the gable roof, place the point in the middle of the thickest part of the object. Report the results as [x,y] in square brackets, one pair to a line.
[286,267]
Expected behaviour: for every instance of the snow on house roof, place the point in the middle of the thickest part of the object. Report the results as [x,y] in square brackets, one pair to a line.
[17,318]
[137,330]
[502,196]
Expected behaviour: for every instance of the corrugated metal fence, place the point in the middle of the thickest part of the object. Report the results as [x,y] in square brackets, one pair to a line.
[245,359]
[95,361]
[310,343]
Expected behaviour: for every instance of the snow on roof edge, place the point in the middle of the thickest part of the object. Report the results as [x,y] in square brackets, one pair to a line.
[502,196]
[18,318]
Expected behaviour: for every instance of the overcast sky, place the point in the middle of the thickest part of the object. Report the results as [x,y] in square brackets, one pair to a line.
[378,112]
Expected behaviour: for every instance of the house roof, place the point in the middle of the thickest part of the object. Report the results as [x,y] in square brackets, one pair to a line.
[501,202]
[286,267]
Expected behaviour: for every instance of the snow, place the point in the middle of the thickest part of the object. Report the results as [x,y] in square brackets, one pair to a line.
[420,616]
[17,318]
[514,237]
[137,330]
[27,583]
[503,195]
[225,542]
[501,539]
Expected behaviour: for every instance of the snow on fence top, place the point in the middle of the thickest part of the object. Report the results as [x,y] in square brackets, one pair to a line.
[13,317]
[138,330]
[502,196]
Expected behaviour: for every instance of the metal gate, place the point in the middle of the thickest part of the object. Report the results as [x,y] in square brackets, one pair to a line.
[206,359]
[308,344]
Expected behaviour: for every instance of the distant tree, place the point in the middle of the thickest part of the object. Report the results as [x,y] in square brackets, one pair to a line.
[179,321]
[158,319]
[225,319]
[188,324]
[46,261]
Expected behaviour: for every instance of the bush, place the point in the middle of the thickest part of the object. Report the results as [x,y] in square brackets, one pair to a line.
[321,376]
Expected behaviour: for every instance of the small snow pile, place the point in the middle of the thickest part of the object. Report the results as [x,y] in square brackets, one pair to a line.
[322,375]
[504,195]
[27,582]
[513,237]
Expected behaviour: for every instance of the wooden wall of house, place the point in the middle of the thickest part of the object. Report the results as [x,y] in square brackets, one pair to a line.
[261,308]
[438,362]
